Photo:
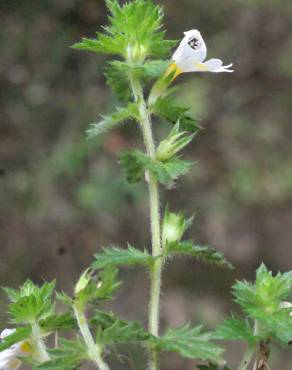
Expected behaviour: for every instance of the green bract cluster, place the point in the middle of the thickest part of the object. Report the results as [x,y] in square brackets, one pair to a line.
[267,313]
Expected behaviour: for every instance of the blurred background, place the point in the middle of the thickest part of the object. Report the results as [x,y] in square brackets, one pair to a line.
[64,197]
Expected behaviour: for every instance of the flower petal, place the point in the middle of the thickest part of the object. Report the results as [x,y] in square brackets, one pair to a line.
[6,332]
[216,66]
[192,49]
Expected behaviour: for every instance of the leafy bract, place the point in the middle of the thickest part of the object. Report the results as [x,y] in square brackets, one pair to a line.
[58,322]
[134,32]
[98,287]
[112,120]
[235,328]
[204,253]
[174,143]
[67,356]
[277,326]
[30,303]
[262,301]
[114,256]
[190,343]
[167,108]
[111,330]
[266,294]
[118,73]
[135,164]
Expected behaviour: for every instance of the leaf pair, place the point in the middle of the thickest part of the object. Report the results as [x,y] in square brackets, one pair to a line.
[135,164]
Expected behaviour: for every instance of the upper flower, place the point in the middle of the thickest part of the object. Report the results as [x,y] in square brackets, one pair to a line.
[190,56]
[9,358]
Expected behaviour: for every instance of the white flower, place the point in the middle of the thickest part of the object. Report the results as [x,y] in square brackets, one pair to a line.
[190,56]
[286,305]
[9,358]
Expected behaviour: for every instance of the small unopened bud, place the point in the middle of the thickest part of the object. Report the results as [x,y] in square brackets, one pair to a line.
[174,143]
[174,226]
[136,52]
[83,281]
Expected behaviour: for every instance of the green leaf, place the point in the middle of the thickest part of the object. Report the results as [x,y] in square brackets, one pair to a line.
[64,298]
[111,330]
[236,328]
[114,256]
[31,303]
[169,171]
[19,335]
[277,326]
[136,163]
[12,294]
[25,290]
[211,366]
[204,254]
[190,343]
[169,109]
[118,72]
[100,287]
[58,322]
[269,287]
[266,294]
[118,82]
[68,356]
[110,121]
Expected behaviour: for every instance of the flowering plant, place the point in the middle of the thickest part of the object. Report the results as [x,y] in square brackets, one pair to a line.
[135,36]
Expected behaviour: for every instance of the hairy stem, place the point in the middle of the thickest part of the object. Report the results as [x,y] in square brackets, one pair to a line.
[246,358]
[42,353]
[250,350]
[94,350]
[153,187]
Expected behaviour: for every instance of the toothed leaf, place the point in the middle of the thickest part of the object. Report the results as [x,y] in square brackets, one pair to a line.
[204,254]
[236,328]
[136,163]
[108,122]
[112,330]
[114,256]
[190,343]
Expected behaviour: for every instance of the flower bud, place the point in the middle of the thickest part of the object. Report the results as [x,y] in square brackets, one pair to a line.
[136,52]
[83,281]
[174,143]
[174,226]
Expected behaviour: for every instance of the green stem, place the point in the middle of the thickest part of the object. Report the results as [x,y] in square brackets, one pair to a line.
[246,358]
[94,349]
[250,350]
[153,187]
[42,353]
